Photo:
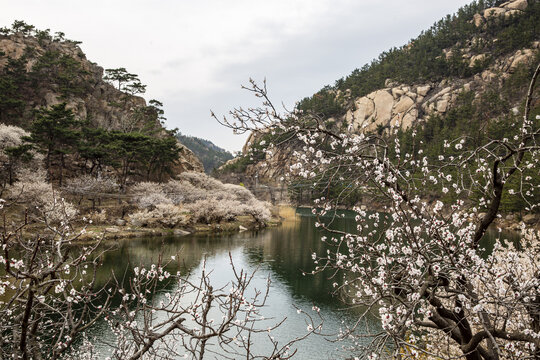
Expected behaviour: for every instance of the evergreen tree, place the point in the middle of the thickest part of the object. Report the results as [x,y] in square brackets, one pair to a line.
[55,131]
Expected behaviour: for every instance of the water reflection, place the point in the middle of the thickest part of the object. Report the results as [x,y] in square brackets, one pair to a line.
[282,253]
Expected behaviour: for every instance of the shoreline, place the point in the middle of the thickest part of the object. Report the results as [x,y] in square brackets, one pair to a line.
[280,213]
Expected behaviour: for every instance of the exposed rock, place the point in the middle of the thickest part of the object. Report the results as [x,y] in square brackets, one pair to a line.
[478,20]
[120,222]
[444,91]
[397,92]
[488,75]
[180,232]
[423,90]
[364,109]
[383,106]
[516,5]
[403,105]
[493,12]
[511,13]
[475,58]
[112,229]
[187,161]
[389,83]
[408,120]
[442,105]
[521,56]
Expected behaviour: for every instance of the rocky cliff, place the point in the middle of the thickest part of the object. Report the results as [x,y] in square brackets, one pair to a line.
[39,70]
[410,104]
[482,53]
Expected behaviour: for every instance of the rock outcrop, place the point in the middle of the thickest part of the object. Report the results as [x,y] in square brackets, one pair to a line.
[100,102]
[507,9]
[404,105]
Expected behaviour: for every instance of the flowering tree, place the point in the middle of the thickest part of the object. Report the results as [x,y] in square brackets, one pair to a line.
[419,265]
[50,296]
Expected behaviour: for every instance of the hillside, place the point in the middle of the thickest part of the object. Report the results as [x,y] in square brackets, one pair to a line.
[467,74]
[211,156]
[113,128]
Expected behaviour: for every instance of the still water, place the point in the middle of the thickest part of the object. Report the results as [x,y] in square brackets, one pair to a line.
[282,253]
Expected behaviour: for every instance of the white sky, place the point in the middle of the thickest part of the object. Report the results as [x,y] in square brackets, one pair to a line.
[194,55]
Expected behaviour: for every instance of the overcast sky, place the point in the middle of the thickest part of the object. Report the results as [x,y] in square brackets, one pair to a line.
[194,55]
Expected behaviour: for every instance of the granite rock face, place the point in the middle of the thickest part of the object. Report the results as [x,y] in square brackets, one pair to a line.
[98,101]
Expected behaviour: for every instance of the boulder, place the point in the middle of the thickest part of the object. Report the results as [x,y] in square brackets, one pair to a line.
[180,232]
[478,20]
[521,57]
[493,12]
[516,5]
[488,75]
[383,106]
[389,83]
[411,95]
[364,108]
[444,91]
[475,58]
[120,222]
[442,106]
[403,105]
[423,90]
[397,92]
[408,120]
[511,13]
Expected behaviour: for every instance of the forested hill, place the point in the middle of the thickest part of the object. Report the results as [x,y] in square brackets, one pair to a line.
[466,75]
[97,117]
[459,46]
[211,156]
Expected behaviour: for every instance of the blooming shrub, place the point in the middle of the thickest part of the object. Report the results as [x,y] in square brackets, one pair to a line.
[208,200]
[98,217]
[88,184]
[167,215]
[201,180]
[11,136]
[10,167]
[258,209]
[148,195]
[213,210]
[40,197]
[183,192]
[238,192]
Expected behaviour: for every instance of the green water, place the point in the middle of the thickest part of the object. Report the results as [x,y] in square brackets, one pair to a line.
[282,253]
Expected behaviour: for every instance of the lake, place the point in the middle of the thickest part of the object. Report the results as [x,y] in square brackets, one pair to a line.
[282,253]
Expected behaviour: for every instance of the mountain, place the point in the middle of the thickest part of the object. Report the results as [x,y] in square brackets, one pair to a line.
[465,74]
[211,156]
[40,71]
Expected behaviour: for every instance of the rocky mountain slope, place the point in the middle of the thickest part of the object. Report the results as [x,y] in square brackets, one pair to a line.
[484,52]
[40,70]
